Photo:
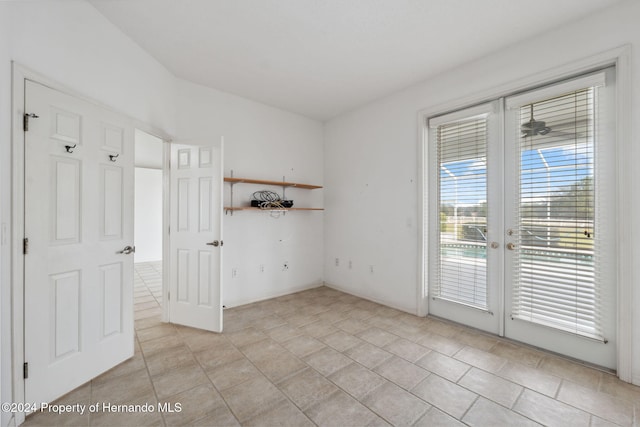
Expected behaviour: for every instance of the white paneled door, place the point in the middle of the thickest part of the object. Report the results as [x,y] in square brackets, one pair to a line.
[195,234]
[78,222]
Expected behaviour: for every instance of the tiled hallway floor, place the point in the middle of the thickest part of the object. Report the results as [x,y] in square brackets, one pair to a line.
[328,358]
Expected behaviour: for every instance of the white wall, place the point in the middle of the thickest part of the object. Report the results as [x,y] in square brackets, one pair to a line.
[148,214]
[5,216]
[371,161]
[264,143]
[71,43]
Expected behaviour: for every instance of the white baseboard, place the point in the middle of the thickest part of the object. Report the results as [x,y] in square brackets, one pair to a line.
[411,310]
[242,302]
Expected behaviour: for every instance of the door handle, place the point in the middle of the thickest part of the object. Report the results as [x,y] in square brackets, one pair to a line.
[127,250]
[511,246]
[216,243]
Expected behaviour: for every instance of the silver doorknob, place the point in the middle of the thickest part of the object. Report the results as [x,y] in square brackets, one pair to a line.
[511,246]
[127,250]
[216,243]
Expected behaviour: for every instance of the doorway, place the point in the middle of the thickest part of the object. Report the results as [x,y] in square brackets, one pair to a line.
[522,214]
[73,252]
[148,225]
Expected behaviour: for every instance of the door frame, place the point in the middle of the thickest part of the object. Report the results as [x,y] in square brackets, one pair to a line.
[20,74]
[166,210]
[620,57]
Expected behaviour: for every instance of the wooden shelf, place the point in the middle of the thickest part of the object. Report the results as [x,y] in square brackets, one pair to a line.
[284,184]
[234,180]
[251,208]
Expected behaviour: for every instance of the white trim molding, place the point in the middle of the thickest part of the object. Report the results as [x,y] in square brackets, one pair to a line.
[19,75]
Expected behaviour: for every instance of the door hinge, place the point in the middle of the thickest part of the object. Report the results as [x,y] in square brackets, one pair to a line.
[25,245]
[168,295]
[25,120]
[25,370]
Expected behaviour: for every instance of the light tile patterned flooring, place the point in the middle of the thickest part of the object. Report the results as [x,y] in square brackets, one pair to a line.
[327,358]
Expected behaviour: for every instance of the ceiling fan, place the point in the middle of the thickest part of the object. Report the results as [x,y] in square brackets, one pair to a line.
[539,127]
[534,127]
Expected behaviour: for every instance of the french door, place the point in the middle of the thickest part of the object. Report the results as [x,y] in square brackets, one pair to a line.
[465,273]
[522,214]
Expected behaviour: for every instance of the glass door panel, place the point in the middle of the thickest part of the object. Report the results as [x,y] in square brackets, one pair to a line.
[463,287]
[558,284]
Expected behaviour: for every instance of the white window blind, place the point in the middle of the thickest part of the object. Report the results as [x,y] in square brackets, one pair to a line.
[462,200]
[556,282]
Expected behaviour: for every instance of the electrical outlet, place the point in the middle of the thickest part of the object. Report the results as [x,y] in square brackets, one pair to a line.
[350,265]
[337,262]
[285,266]
[234,273]
[261,268]
[371,269]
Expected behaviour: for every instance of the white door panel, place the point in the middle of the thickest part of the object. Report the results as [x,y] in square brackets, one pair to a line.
[78,216]
[465,270]
[560,280]
[195,297]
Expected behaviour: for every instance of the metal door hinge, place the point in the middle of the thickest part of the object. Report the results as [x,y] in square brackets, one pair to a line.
[25,120]
[168,296]
[25,245]
[25,370]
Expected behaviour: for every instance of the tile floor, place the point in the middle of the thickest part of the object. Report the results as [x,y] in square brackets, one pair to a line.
[322,357]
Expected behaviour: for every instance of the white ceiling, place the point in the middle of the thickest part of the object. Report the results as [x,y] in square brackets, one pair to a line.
[321,58]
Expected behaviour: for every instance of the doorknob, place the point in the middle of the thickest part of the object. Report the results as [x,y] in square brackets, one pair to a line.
[511,246]
[216,243]
[127,250]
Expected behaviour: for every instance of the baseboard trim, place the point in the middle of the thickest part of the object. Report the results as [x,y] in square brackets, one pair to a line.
[411,310]
[289,291]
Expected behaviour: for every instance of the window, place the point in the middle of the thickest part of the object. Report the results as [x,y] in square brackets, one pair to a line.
[462,199]
[556,280]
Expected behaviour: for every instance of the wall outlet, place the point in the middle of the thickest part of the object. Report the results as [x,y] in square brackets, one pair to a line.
[371,269]
[285,266]
[350,265]
[261,268]
[337,262]
[234,273]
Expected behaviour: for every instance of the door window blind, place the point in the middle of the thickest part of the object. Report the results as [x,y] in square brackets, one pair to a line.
[462,206]
[556,282]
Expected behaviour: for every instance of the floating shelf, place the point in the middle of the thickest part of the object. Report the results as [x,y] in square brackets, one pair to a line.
[267,182]
[251,208]
[284,184]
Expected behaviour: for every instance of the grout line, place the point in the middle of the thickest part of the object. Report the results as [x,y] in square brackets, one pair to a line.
[392,329]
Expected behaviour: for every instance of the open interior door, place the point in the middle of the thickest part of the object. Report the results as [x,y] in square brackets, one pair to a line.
[78,266]
[195,236]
